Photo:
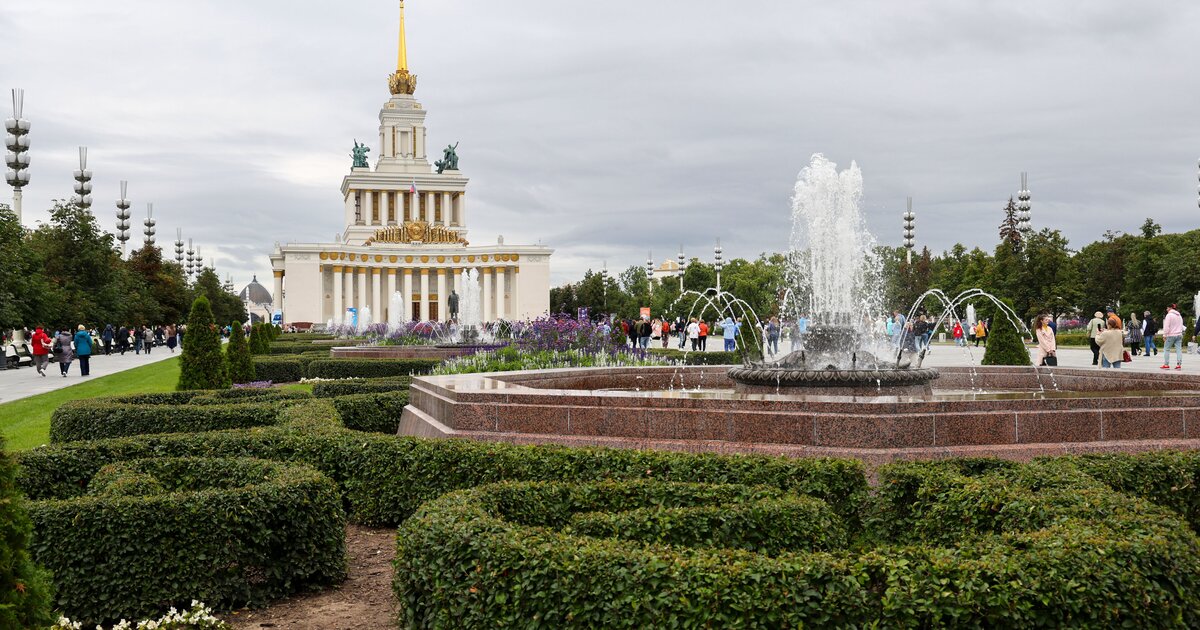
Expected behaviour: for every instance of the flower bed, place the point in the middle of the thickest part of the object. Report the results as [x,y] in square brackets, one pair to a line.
[149,533]
[513,358]
[1021,546]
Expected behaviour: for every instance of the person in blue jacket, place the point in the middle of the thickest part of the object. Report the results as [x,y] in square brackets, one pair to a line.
[729,330]
[83,349]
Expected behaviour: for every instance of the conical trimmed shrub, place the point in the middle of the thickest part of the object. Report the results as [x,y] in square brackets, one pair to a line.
[1005,345]
[25,590]
[256,340]
[202,365]
[241,366]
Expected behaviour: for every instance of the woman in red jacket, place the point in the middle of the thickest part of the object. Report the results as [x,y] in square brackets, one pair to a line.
[41,350]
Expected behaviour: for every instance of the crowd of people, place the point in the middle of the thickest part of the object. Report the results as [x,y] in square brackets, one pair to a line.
[66,346]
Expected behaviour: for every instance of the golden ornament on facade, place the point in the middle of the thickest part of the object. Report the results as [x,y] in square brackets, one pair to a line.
[441,259]
[392,258]
[424,259]
[408,259]
[456,258]
[378,258]
[516,257]
[484,258]
[416,232]
[470,259]
[323,256]
[402,82]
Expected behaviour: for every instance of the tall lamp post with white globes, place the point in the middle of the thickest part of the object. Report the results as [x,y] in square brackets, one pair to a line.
[123,217]
[83,182]
[682,268]
[718,264]
[17,143]
[191,260]
[149,223]
[179,246]
[909,230]
[1023,205]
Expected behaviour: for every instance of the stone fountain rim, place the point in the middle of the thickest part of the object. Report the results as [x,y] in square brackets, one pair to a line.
[788,377]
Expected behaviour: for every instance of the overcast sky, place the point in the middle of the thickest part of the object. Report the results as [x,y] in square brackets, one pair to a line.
[606,129]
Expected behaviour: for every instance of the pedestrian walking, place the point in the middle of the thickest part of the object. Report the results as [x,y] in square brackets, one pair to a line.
[173,340]
[693,334]
[107,338]
[1172,329]
[773,330]
[1133,335]
[981,332]
[1149,329]
[83,350]
[41,349]
[1112,344]
[148,338]
[959,336]
[703,336]
[729,330]
[1095,327]
[62,352]
[644,330]
[1047,345]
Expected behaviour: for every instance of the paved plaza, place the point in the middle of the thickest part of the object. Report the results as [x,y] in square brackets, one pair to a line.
[25,382]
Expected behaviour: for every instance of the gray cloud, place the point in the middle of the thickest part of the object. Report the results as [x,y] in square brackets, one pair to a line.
[609,129]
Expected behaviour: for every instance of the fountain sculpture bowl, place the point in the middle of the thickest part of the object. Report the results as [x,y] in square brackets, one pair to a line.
[772,379]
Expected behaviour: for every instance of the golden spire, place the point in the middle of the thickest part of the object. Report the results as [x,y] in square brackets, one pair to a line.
[402,58]
[402,81]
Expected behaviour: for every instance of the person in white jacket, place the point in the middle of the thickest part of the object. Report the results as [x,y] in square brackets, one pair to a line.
[1172,329]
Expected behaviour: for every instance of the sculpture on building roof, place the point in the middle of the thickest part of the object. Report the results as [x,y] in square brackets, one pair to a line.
[359,155]
[449,161]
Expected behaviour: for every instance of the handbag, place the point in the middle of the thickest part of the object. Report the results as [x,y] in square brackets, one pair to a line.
[1050,361]
[1125,358]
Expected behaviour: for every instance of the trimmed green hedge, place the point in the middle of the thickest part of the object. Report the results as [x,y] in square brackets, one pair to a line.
[384,478]
[376,413]
[232,532]
[98,418]
[347,387]
[285,368]
[26,590]
[297,347]
[698,358]
[369,368]
[1020,546]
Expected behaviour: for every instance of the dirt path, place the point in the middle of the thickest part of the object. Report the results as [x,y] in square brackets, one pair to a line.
[363,602]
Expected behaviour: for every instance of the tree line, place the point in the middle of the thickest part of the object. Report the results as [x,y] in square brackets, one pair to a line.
[1035,271]
[68,271]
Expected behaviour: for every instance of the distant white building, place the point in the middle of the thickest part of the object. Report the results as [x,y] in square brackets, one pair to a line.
[257,300]
[668,269]
[404,245]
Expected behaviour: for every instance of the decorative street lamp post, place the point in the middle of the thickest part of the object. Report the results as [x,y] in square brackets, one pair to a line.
[17,157]
[123,217]
[604,284]
[682,268]
[191,260]
[179,246]
[909,230]
[83,182]
[149,223]
[718,264]
[1023,206]
[199,260]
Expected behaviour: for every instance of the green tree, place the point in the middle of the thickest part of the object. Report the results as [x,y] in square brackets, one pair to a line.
[79,261]
[1150,229]
[256,339]
[24,292]
[226,305]
[1053,278]
[1004,344]
[25,589]
[202,365]
[166,286]
[237,352]
[1010,228]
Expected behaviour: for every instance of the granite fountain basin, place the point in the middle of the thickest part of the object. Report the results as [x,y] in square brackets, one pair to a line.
[1010,412]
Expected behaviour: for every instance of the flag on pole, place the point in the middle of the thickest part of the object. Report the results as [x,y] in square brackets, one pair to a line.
[413,188]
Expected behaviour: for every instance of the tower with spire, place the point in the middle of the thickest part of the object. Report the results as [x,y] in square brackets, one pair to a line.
[405,234]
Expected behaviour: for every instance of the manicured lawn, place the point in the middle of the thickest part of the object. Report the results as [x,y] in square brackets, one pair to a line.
[25,423]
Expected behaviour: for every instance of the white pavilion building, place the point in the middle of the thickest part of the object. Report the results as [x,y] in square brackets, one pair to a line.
[406,232]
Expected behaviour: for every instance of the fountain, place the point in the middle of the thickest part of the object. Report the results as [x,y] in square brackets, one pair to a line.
[833,266]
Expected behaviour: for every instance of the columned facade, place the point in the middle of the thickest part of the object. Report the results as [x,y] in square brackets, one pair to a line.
[405,231]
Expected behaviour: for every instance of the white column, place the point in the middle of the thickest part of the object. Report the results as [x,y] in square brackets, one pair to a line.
[462,209]
[378,309]
[518,311]
[424,293]
[420,142]
[443,304]
[278,290]
[350,208]
[501,312]
[388,292]
[339,310]
[447,209]
[385,205]
[485,312]
[407,292]
[366,207]
[360,300]
[430,206]
[385,141]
